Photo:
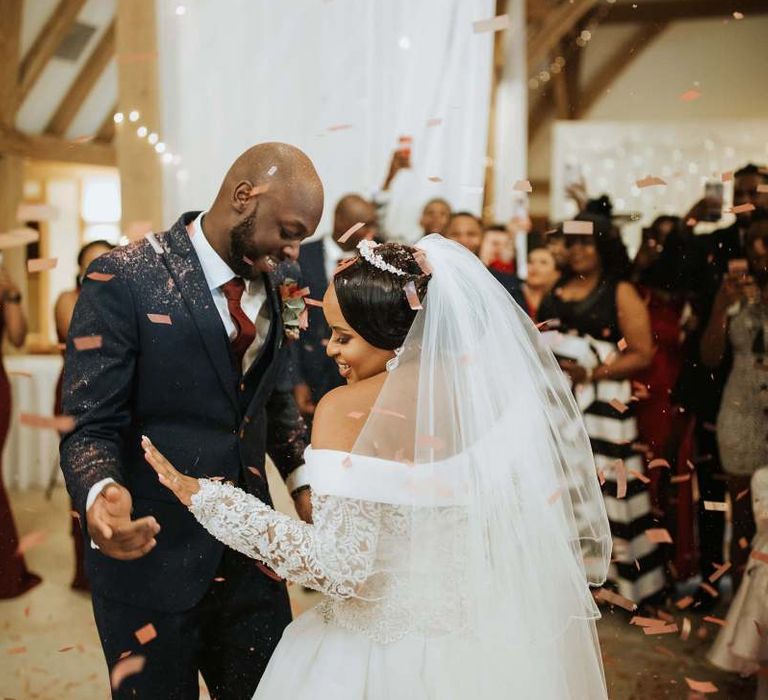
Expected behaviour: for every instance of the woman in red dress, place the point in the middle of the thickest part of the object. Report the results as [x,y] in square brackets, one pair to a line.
[65,307]
[15,579]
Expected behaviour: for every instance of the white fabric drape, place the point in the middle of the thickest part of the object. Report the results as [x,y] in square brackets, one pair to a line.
[239,72]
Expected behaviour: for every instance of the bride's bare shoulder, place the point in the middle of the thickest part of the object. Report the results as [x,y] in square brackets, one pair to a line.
[341,413]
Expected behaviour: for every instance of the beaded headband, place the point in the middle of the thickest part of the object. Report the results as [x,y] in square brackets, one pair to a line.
[367,249]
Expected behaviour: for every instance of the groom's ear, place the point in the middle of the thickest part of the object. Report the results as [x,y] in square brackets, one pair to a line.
[242,195]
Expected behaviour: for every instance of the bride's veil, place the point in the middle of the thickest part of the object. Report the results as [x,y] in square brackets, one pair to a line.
[502,497]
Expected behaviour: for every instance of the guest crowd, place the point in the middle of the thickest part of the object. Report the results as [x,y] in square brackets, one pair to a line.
[666,353]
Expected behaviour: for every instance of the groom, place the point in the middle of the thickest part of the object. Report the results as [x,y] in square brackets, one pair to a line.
[187,346]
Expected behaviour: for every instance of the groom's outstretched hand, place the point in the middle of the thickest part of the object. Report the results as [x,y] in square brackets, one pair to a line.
[112,530]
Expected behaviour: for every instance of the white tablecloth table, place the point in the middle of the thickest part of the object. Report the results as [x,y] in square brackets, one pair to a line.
[31,454]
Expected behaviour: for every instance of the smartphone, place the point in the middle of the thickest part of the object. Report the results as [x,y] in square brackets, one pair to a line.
[713,201]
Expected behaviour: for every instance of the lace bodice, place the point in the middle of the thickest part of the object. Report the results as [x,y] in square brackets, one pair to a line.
[356,551]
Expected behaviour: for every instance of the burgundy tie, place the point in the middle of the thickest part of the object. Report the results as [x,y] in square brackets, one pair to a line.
[246,330]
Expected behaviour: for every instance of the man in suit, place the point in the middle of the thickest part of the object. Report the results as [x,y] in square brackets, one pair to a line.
[315,373]
[699,388]
[190,347]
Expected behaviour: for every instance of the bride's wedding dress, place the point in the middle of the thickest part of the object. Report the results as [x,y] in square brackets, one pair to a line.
[457,540]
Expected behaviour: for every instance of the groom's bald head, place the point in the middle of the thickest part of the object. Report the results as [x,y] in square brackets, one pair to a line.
[271,198]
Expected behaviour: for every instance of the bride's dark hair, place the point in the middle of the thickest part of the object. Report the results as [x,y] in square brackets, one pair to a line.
[373,301]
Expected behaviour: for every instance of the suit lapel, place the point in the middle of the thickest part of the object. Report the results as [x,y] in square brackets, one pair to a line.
[184,266]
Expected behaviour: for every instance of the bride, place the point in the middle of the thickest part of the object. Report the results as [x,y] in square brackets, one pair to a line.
[458,520]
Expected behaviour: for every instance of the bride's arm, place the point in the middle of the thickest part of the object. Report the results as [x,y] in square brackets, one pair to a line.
[334,556]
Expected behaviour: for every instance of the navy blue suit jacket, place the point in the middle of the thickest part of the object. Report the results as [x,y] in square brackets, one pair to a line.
[313,366]
[179,385]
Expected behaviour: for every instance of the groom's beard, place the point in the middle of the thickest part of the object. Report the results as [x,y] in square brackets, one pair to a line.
[239,249]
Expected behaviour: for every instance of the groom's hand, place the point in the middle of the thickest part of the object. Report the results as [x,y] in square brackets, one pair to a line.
[112,530]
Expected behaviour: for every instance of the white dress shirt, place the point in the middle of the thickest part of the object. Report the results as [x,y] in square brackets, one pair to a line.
[254,303]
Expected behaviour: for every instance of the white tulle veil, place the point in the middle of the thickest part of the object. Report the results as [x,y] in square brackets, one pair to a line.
[494,470]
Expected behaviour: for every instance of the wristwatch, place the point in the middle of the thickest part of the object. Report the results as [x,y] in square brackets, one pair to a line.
[12,297]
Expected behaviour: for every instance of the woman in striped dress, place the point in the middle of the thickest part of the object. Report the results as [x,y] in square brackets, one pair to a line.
[593,302]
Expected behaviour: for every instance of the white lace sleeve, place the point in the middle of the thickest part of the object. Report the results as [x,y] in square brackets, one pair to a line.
[334,555]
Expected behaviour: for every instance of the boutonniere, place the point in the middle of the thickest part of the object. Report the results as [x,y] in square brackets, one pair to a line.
[294,310]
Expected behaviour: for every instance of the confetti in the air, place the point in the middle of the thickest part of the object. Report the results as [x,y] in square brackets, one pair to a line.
[355,415]
[582,228]
[640,475]
[99,276]
[272,170]
[742,208]
[622,345]
[129,666]
[722,569]
[87,342]
[616,599]
[30,541]
[146,634]
[657,463]
[255,471]
[41,264]
[714,620]
[313,302]
[701,686]
[162,319]
[618,405]
[435,121]
[434,178]
[621,478]
[339,127]
[660,629]
[715,505]
[659,535]
[494,24]
[522,186]
[649,181]
[684,603]
[412,296]
[726,176]
[351,231]
[686,631]
[690,95]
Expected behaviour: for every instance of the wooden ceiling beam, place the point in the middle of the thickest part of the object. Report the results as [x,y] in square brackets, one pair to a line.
[44,147]
[559,22]
[56,28]
[616,64]
[89,74]
[10,42]
[670,10]
[106,132]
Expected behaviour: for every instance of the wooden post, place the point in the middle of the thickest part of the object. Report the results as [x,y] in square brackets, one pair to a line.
[11,166]
[141,180]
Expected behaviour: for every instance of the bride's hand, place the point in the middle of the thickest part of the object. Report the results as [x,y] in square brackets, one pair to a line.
[183,487]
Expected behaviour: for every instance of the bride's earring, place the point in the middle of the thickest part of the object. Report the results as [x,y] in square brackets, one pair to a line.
[395,361]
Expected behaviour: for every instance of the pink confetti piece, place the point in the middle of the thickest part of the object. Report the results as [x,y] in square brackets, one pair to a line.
[434,121]
[615,599]
[272,170]
[219,579]
[622,345]
[709,589]
[645,621]
[267,571]
[99,276]
[30,541]
[742,208]
[686,631]
[640,475]
[715,505]
[720,571]
[660,629]
[741,494]
[434,178]
[550,323]
[339,127]
[420,256]
[61,424]
[493,24]
[691,222]
[621,478]
[387,412]
[129,666]
[522,186]
[65,649]
[41,264]
[684,603]
[87,342]
[701,686]
[162,319]
[726,176]
[256,472]
[659,535]
[13,651]
[412,296]
[355,415]
[649,181]
[313,302]
[762,189]
[714,620]
[658,463]
[146,634]
[743,543]
[351,231]
[618,405]
[680,478]
[759,556]
[690,95]
[555,496]
[346,462]
[580,228]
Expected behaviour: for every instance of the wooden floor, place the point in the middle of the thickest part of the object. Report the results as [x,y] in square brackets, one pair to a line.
[49,648]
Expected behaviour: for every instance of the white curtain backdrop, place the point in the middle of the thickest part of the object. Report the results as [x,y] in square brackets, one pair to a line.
[341,79]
